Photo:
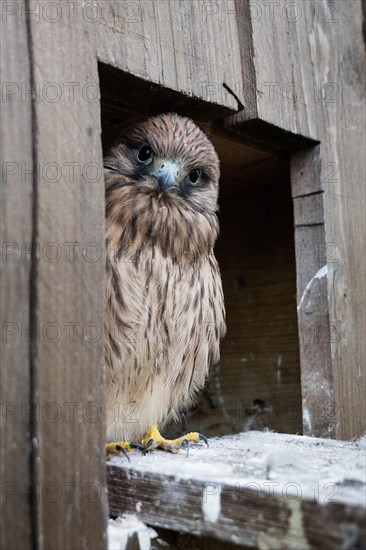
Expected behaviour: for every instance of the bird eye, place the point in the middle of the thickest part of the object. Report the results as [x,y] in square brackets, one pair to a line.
[194,175]
[145,154]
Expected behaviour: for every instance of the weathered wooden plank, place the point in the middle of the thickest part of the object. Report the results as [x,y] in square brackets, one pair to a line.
[185,45]
[263,490]
[69,434]
[315,331]
[16,267]
[344,173]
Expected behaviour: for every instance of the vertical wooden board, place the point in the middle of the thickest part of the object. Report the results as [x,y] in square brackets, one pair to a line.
[316,333]
[16,238]
[185,45]
[345,217]
[69,377]
[347,309]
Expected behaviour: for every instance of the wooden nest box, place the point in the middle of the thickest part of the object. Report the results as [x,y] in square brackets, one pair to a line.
[279,89]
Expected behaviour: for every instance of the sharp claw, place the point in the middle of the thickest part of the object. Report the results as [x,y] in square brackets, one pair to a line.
[137,446]
[122,450]
[147,446]
[203,438]
[185,445]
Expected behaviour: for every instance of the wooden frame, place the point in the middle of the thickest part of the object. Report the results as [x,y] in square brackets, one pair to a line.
[260,490]
[323,134]
[54,357]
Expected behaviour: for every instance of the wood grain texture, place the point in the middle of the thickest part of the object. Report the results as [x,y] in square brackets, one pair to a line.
[316,333]
[262,490]
[185,45]
[315,330]
[16,236]
[344,174]
[71,510]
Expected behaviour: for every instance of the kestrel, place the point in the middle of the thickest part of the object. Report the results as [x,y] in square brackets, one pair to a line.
[164,301]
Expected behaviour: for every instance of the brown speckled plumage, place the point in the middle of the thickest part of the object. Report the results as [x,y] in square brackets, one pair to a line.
[164,300]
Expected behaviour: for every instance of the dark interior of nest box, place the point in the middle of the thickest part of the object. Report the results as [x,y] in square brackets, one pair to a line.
[257,383]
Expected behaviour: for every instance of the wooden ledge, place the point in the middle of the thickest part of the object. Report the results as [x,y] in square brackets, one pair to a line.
[260,489]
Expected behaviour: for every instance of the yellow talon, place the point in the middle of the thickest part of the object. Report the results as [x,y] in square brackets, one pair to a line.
[154,439]
[117,447]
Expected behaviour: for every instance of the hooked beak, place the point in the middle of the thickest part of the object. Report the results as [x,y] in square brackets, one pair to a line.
[167,173]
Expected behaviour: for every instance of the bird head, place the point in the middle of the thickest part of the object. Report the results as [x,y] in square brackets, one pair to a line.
[161,189]
[169,158]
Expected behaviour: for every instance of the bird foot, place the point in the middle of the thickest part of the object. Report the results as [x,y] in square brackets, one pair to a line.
[124,447]
[154,440]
